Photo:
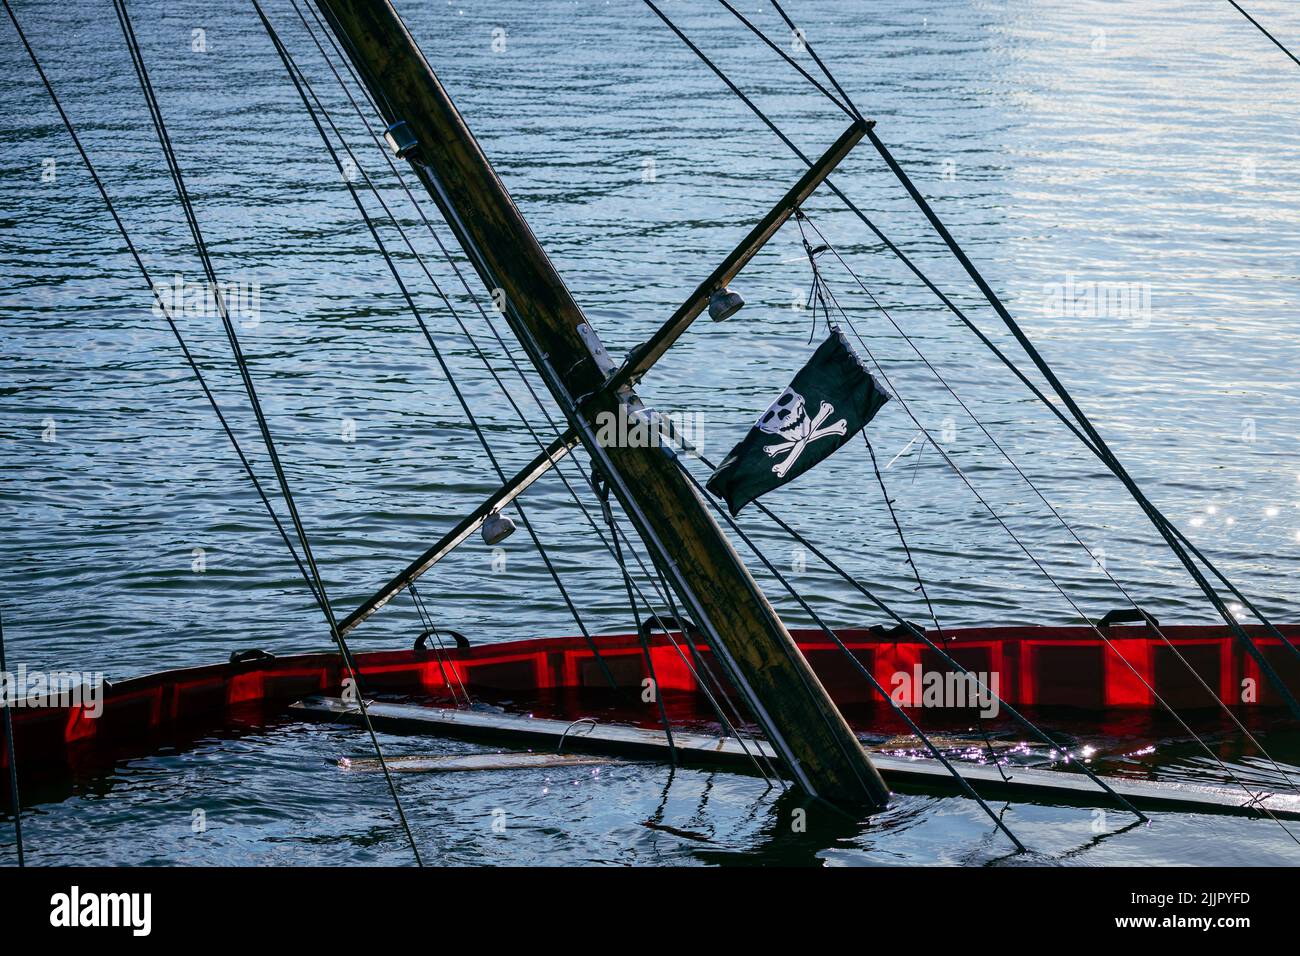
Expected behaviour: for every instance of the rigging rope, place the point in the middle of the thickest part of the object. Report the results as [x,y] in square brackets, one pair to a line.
[1161,523]
[602,493]
[816,292]
[1038,564]
[816,59]
[455,266]
[852,113]
[430,628]
[698,666]
[889,244]
[182,192]
[15,803]
[925,594]
[1260,27]
[162,304]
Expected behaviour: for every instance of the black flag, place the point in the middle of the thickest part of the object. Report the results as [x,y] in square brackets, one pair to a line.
[828,402]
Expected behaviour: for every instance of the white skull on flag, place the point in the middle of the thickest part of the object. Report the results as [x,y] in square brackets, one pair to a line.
[783,414]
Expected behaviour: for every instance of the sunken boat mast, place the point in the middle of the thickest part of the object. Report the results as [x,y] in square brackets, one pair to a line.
[763,662]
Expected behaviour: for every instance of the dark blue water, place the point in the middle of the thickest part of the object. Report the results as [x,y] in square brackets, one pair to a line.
[1149,149]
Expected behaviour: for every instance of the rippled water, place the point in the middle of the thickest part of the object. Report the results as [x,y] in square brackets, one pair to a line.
[1148,147]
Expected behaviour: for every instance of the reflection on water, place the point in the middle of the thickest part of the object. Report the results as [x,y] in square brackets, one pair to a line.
[1124,174]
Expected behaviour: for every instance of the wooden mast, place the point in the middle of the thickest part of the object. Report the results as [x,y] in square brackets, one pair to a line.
[744,632]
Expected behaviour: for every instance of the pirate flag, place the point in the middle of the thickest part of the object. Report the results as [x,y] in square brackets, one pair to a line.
[829,402]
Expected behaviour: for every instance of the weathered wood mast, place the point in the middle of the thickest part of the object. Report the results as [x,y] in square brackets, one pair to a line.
[762,660]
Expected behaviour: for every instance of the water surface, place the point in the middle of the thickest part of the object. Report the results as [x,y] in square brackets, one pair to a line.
[1151,148]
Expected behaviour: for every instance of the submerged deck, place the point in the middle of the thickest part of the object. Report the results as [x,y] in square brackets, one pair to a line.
[701,750]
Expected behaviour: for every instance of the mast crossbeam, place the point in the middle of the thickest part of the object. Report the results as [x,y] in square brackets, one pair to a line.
[640,361]
[744,631]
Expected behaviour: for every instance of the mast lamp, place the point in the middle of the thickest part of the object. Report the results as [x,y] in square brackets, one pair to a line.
[723,304]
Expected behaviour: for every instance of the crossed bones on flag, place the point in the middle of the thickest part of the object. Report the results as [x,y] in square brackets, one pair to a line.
[802,433]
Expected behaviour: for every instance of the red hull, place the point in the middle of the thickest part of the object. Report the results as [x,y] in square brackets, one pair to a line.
[1035,667]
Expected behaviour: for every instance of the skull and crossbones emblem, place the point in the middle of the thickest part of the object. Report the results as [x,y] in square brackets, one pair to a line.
[787,418]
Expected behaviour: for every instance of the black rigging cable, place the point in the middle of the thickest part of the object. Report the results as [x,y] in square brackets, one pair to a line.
[182,192]
[1260,27]
[1161,523]
[852,113]
[15,803]
[888,243]
[162,305]
[803,37]
[699,669]
[317,593]
[925,593]
[446,255]
[601,489]
[1050,577]
[440,653]
[817,289]
[1038,564]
